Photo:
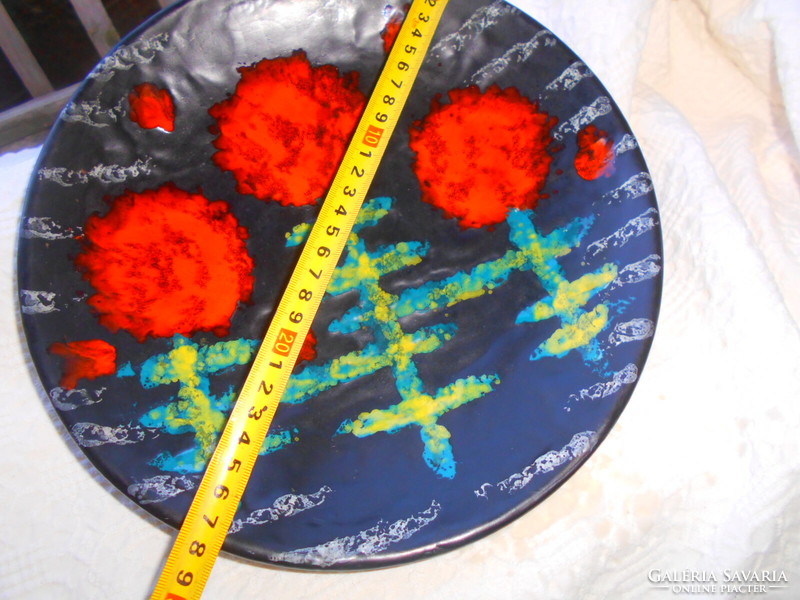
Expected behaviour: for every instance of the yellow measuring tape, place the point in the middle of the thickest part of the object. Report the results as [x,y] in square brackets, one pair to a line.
[210,516]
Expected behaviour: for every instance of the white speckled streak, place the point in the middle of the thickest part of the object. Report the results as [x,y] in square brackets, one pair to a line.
[37,302]
[363,544]
[633,228]
[90,435]
[571,77]
[481,19]
[159,488]
[586,115]
[64,399]
[285,506]
[91,112]
[580,444]
[103,173]
[631,331]
[47,229]
[518,53]
[602,389]
[126,57]
[641,270]
[638,185]
[628,142]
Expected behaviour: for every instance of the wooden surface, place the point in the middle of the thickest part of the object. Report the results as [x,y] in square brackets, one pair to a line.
[21,58]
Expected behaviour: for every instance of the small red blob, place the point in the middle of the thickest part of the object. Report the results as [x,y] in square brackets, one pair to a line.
[152,107]
[285,129]
[595,156]
[164,262]
[482,154]
[308,351]
[393,25]
[87,359]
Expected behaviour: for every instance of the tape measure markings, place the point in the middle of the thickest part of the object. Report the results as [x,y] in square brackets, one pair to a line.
[212,511]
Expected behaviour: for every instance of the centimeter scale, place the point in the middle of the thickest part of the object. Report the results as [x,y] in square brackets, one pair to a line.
[212,511]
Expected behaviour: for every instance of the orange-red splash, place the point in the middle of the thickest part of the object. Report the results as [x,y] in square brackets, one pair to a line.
[152,107]
[308,351]
[165,262]
[284,131]
[88,359]
[482,154]
[595,156]
[393,25]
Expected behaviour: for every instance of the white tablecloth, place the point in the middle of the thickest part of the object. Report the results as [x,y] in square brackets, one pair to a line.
[700,475]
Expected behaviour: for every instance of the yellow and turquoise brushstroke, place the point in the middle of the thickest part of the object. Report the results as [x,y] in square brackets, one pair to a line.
[566,299]
[392,347]
[195,409]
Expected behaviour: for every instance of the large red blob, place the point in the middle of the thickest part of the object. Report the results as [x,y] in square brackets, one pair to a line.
[285,129]
[482,154]
[166,261]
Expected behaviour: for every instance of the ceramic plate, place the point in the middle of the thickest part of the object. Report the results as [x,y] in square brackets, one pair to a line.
[483,332]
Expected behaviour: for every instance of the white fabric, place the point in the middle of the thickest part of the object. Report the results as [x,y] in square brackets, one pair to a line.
[700,473]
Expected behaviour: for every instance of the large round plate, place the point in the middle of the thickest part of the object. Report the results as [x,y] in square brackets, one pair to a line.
[492,315]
